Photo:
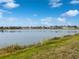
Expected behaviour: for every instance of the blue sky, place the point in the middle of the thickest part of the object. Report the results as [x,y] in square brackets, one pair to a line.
[39,12]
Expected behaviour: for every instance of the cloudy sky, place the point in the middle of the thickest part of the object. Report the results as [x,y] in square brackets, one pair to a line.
[39,12]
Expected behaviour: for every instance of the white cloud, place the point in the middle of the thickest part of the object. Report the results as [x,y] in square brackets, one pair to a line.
[47,21]
[71,13]
[74,2]
[5,11]
[66,15]
[69,23]
[9,4]
[2,12]
[1,1]
[35,15]
[13,21]
[55,3]
[61,19]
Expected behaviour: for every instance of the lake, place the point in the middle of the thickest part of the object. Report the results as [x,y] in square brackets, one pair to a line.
[26,37]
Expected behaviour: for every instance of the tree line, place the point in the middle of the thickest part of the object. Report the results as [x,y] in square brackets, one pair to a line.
[39,27]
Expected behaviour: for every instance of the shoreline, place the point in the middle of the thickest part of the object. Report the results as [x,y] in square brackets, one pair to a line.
[13,49]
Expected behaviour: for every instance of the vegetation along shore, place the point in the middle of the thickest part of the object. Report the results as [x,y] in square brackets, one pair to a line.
[66,47]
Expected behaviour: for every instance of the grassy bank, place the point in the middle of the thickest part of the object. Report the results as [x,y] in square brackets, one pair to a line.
[66,47]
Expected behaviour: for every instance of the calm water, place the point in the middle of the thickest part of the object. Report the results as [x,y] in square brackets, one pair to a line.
[26,37]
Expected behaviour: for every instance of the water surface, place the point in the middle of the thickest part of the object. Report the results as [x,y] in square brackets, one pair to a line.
[26,37]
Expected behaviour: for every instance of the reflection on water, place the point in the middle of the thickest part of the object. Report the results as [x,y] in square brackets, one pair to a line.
[26,37]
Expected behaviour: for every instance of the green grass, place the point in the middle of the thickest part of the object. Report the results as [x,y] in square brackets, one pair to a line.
[66,47]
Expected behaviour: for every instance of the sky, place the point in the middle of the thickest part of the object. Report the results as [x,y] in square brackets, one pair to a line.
[39,12]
